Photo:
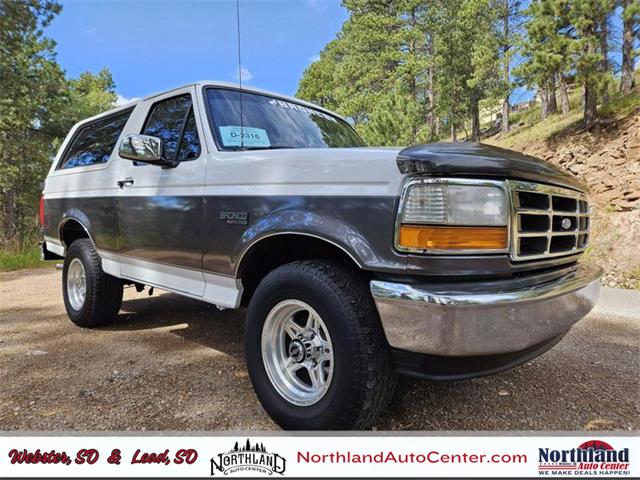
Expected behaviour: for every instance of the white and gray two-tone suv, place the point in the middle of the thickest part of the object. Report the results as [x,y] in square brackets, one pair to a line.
[444,261]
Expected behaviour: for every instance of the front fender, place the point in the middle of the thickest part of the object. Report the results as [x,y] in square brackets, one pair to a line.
[341,234]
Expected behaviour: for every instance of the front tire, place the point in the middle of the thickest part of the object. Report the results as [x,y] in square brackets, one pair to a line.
[316,353]
[91,297]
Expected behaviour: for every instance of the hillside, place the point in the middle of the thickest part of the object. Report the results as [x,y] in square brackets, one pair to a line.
[607,159]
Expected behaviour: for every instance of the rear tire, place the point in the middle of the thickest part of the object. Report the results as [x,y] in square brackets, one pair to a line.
[360,374]
[92,298]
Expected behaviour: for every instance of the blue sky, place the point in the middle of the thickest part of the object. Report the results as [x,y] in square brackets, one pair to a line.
[150,46]
[153,45]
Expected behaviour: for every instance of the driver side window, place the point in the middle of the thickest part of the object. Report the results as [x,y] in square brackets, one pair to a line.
[173,121]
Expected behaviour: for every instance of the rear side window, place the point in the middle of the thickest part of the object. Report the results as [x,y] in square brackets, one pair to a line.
[173,121]
[94,143]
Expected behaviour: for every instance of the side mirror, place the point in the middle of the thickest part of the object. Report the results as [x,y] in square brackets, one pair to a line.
[145,149]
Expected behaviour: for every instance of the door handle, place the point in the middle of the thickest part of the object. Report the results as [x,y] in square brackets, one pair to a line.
[125,182]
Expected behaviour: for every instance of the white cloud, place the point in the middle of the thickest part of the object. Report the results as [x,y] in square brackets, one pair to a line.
[314,59]
[121,100]
[246,74]
[91,30]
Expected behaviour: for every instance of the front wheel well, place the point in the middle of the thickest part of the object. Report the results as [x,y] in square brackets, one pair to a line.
[271,252]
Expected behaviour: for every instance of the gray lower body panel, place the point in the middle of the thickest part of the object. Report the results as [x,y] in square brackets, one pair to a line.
[97,215]
[193,231]
[485,318]
[161,229]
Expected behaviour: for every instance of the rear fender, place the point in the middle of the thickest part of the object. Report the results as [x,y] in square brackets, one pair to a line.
[79,217]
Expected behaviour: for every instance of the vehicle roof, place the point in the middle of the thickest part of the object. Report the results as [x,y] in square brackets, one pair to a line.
[211,83]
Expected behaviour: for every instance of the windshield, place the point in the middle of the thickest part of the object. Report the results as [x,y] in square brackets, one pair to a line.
[269,123]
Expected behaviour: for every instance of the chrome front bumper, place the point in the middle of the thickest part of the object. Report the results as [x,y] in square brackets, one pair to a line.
[485,317]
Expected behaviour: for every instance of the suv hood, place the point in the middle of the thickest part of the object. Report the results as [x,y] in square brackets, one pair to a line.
[460,159]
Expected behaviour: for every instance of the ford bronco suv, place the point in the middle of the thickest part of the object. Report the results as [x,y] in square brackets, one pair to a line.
[442,261]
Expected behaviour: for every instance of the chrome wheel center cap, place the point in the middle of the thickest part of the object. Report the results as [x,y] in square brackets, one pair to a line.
[297,351]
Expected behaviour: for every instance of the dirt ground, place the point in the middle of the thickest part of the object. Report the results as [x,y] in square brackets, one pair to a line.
[171,363]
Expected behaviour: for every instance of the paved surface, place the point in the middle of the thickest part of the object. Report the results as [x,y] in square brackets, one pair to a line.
[175,364]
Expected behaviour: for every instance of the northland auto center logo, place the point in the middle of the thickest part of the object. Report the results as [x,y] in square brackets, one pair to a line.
[592,458]
[245,459]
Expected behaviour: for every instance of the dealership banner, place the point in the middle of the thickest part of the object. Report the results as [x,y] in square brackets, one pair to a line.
[318,455]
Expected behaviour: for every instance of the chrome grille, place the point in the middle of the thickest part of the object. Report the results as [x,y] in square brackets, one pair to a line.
[547,221]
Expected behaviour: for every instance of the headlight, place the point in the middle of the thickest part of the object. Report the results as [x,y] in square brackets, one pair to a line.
[453,216]
[442,204]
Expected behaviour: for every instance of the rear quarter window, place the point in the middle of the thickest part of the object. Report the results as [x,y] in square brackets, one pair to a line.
[94,143]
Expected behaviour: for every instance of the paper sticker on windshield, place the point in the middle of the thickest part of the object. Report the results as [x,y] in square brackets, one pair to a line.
[237,136]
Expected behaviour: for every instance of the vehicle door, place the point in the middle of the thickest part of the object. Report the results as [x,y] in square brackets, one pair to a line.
[160,210]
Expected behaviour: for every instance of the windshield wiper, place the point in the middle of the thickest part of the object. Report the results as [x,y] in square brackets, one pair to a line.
[270,147]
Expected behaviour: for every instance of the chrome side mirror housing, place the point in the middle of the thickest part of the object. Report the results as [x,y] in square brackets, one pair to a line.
[145,149]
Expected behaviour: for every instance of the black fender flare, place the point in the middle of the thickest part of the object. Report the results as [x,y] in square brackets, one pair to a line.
[79,217]
[321,227]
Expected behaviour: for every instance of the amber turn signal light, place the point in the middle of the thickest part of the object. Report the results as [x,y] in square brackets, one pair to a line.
[453,238]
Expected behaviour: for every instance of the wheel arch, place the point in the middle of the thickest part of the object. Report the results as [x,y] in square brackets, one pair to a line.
[273,250]
[73,226]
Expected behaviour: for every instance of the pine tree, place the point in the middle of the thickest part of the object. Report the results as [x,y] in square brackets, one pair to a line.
[586,16]
[30,79]
[508,31]
[360,68]
[545,51]
[403,71]
[630,32]
[481,18]
[457,92]
[603,45]
[380,71]
[38,105]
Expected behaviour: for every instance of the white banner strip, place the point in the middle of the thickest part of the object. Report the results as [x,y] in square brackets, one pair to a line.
[247,455]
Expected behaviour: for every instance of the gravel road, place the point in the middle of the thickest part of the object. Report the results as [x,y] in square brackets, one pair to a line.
[171,363]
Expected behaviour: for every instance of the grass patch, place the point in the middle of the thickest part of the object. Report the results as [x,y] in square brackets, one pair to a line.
[518,138]
[30,258]
[621,106]
[527,117]
[528,128]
